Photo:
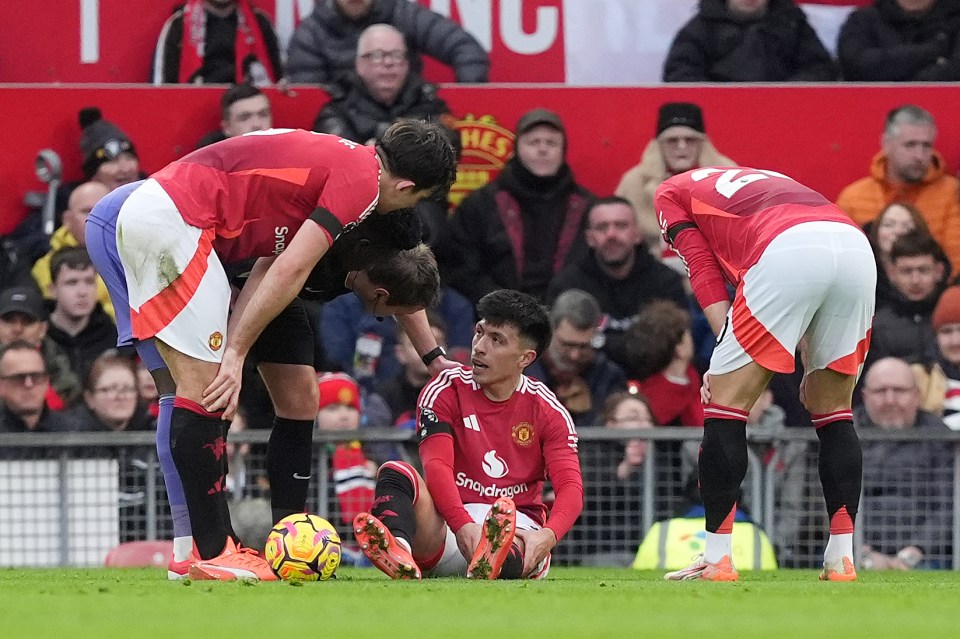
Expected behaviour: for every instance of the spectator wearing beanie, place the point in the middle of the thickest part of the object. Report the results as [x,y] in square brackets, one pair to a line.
[353,473]
[108,154]
[680,144]
[946,323]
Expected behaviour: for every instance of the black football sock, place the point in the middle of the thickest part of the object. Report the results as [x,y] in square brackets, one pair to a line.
[841,473]
[393,503]
[225,469]
[289,462]
[198,449]
[512,565]
[723,465]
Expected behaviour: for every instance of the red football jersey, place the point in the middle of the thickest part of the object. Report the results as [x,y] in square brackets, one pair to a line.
[256,190]
[500,449]
[719,220]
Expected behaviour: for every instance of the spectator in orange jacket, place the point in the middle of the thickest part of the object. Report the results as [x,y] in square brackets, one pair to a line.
[908,169]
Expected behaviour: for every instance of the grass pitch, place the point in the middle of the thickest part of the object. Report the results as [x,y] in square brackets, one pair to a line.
[573,602]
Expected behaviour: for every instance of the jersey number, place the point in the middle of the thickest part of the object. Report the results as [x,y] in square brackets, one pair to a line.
[732,180]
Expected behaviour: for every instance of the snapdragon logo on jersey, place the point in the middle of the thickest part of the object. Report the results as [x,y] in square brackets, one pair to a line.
[280,239]
[495,467]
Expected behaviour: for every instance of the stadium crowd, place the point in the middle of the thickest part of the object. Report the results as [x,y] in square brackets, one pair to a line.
[629,342]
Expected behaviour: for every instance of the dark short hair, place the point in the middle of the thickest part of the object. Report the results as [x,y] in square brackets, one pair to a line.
[613,401]
[411,277]
[421,152]
[513,308]
[234,94]
[915,244]
[73,257]
[610,199]
[20,345]
[106,361]
[653,336]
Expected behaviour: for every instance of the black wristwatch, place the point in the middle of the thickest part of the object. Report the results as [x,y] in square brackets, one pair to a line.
[432,355]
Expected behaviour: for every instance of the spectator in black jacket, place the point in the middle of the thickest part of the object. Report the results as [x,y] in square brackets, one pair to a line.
[78,324]
[208,41]
[619,272]
[243,108]
[902,326]
[325,43]
[383,90]
[580,375]
[24,383]
[519,230]
[902,41]
[748,41]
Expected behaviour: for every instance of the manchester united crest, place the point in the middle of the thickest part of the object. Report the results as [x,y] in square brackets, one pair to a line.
[215,341]
[522,434]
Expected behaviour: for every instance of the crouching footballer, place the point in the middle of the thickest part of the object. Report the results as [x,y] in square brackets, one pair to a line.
[489,436]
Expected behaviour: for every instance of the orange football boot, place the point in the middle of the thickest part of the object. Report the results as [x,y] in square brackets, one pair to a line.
[382,548]
[496,539]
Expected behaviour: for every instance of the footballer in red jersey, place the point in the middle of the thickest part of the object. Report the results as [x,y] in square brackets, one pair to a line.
[804,277]
[248,197]
[489,436]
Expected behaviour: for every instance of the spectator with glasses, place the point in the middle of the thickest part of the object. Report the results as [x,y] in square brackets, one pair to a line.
[383,89]
[324,45]
[24,383]
[573,367]
[681,144]
[111,401]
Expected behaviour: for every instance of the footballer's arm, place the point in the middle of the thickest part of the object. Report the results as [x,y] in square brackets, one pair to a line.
[277,283]
[563,468]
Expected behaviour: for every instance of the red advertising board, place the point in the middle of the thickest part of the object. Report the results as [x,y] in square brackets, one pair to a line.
[821,135]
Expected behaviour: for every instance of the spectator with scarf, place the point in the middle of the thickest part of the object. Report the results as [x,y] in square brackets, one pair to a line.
[223,41]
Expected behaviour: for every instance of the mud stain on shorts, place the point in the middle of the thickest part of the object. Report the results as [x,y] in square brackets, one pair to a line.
[167,270]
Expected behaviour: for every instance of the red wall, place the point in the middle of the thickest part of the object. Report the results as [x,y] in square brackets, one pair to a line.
[823,136]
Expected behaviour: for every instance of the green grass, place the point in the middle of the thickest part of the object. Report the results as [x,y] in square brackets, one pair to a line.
[573,602]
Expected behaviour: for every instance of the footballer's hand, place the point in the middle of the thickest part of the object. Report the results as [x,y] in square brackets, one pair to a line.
[705,389]
[441,364]
[223,393]
[537,545]
[468,538]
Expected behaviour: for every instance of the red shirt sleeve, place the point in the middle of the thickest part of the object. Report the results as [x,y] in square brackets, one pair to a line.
[436,453]
[681,233]
[563,468]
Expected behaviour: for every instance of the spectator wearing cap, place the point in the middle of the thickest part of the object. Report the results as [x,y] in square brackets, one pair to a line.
[71,234]
[24,386]
[23,316]
[217,41]
[748,41]
[324,45]
[680,144]
[383,89]
[519,230]
[946,323]
[243,108]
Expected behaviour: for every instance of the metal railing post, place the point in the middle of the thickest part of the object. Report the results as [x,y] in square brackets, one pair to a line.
[151,496]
